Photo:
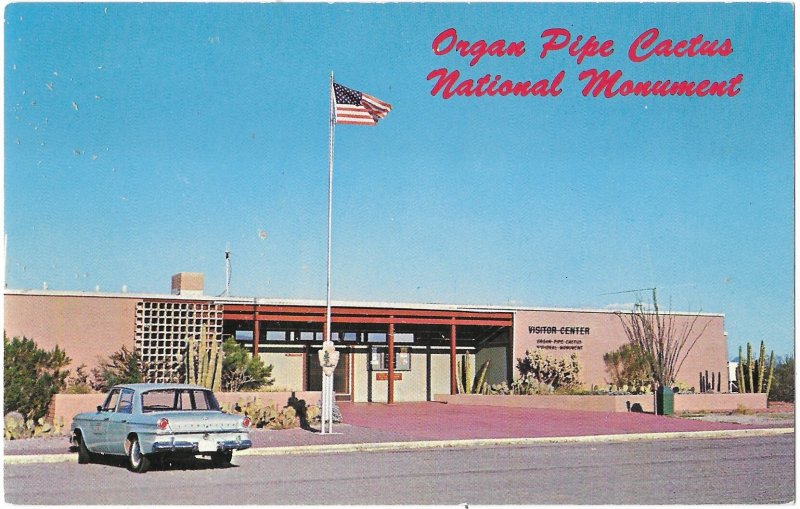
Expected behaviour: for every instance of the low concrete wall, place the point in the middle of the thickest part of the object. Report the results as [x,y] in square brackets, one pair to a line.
[65,406]
[608,403]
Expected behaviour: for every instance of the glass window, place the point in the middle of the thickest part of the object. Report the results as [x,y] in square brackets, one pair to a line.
[172,399]
[244,335]
[154,401]
[376,337]
[406,337]
[379,360]
[276,335]
[111,401]
[125,402]
[307,336]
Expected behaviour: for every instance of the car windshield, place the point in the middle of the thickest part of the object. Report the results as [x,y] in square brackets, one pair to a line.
[178,399]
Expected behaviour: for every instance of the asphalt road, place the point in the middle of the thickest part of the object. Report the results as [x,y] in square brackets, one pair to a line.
[732,470]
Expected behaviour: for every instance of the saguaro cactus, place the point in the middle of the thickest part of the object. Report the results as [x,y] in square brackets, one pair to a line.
[761,365]
[771,368]
[467,382]
[204,361]
[762,375]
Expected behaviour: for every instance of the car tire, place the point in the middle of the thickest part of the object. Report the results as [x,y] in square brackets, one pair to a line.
[84,455]
[222,459]
[137,461]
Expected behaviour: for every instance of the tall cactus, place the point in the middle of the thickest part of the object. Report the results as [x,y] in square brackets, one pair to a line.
[204,361]
[480,378]
[459,378]
[467,374]
[762,375]
[467,382]
[771,368]
[762,354]
[740,373]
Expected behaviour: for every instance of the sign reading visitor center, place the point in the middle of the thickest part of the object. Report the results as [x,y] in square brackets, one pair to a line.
[559,343]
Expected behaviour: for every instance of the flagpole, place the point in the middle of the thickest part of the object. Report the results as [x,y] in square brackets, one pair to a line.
[326,392]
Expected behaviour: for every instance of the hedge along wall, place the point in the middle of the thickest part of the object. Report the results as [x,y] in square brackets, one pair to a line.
[65,406]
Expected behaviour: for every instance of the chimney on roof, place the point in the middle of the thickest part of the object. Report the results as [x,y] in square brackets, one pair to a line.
[188,284]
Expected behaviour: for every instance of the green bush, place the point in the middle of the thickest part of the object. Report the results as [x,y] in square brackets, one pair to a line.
[32,377]
[629,365]
[81,382]
[539,371]
[121,367]
[783,380]
[268,416]
[241,371]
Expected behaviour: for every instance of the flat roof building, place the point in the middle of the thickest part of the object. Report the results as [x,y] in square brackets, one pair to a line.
[389,351]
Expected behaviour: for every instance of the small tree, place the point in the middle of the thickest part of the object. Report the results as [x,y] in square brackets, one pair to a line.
[82,382]
[783,380]
[665,340]
[121,367]
[628,365]
[241,371]
[32,376]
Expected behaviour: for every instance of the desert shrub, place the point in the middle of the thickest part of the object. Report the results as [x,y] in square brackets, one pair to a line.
[628,365]
[268,416]
[32,376]
[15,427]
[121,367]
[82,382]
[782,388]
[241,371]
[539,370]
[501,388]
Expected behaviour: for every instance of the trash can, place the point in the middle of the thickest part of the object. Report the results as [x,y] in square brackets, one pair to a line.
[665,401]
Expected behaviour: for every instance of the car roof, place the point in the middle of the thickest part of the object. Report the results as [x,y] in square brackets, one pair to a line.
[141,387]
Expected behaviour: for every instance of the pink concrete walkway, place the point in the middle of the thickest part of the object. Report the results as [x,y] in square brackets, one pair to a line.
[438,421]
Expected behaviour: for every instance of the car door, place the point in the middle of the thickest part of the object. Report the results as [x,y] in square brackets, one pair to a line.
[96,438]
[117,425]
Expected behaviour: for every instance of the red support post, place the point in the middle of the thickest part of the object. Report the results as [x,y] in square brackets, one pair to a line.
[390,397]
[453,385]
[255,331]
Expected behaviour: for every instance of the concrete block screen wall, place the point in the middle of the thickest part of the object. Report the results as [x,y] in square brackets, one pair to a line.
[162,331]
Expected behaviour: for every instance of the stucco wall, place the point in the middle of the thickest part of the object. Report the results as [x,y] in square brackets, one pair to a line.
[603,403]
[593,334]
[85,327]
[412,387]
[498,370]
[287,366]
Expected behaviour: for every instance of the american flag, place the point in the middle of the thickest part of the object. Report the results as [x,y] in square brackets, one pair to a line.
[354,107]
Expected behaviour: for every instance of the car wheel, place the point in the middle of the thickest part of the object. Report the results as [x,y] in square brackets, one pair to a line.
[222,459]
[137,461]
[84,456]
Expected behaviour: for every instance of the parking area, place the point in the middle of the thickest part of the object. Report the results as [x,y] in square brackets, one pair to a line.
[438,421]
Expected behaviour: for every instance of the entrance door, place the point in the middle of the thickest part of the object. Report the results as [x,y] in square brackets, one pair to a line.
[341,375]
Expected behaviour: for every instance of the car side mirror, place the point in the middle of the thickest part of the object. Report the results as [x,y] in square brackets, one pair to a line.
[99,408]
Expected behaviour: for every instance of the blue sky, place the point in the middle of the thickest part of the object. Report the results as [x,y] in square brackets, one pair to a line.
[141,139]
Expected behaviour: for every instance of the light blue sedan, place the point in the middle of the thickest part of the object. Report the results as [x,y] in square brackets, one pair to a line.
[148,421]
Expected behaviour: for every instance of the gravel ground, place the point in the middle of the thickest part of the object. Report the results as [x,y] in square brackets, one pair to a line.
[776,420]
